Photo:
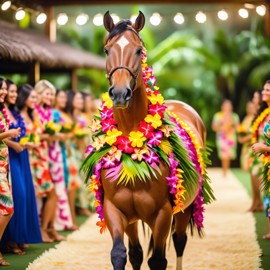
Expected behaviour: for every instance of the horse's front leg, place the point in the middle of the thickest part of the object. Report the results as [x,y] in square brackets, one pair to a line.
[135,251]
[116,223]
[160,227]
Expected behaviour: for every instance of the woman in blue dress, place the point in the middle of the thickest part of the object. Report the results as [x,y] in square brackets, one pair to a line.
[23,227]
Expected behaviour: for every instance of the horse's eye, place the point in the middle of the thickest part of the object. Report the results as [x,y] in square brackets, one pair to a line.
[139,51]
[106,51]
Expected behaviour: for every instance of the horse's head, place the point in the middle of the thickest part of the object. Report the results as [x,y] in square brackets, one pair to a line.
[123,62]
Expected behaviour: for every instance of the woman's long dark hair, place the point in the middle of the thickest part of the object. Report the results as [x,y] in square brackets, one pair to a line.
[10,106]
[1,84]
[69,106]
[263,105]
[24,92]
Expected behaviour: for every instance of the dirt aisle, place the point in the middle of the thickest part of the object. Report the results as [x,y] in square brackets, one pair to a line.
[229,242]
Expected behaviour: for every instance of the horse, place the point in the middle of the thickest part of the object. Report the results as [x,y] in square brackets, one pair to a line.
[149,201]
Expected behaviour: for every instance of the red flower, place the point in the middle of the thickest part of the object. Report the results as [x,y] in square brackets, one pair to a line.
[124,144]
[157,108]
[146,129]
[108,124]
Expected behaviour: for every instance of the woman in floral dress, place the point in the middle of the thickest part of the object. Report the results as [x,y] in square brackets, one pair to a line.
[45,189]
[6,201]
[225,124]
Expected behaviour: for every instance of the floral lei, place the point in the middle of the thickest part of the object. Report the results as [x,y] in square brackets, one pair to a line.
[44,113]
[19,123]
[4,126]
[257,123]
[144,149]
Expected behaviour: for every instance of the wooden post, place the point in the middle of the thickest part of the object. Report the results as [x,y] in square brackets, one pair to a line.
[267,21]
[50,25]
[74,79]
[34,73]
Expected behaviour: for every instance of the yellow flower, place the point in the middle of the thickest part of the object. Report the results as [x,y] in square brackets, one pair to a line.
[24,140]
[137,138]
[155,120]
[154,99]
[106,98]
[112,136]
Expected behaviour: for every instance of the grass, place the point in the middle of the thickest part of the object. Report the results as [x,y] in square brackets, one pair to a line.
[35,250]
[262,226]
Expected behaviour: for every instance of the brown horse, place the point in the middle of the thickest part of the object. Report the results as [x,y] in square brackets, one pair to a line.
[148,201]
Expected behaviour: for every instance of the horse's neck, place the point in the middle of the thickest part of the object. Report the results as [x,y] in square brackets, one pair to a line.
[128,119]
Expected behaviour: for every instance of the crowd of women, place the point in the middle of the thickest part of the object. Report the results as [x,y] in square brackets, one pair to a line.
[254,135]
[43,135]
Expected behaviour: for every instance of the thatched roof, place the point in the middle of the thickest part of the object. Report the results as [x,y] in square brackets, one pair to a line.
[27,46]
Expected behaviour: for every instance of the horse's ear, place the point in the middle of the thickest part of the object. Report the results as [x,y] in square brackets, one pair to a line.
[108,22]
[139,23]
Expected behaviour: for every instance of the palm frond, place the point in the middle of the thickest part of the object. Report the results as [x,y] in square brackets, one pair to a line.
[166,147]
[91,160]
[190,174]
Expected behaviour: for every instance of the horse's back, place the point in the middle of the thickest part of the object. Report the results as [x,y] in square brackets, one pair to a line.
[190,116]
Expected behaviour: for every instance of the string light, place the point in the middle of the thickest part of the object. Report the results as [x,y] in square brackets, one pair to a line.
[115,18]
[41,18]
[261,10]
[62,18]
[155,19]
[223,15]
[201,17]
[20,13]
[179,18]
[243,13]
[6,5]
[82,19]
[98,19]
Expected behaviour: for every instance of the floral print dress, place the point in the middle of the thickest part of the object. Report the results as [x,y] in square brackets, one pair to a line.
[6,201]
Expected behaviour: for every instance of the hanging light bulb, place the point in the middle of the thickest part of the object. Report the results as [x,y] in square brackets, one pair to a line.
[261,10]
[133,18]
[41,18]
[155,19]
[201,17]
[243,13]
[82,19]
[179,18]
[115,18]
[62,19]
[98,19]
[20,13]
[223,15]
[6,5]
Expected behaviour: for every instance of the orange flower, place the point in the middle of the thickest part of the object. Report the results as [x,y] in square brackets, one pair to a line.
[102,225]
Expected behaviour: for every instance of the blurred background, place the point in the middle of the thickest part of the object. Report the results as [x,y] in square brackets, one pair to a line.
[201,51]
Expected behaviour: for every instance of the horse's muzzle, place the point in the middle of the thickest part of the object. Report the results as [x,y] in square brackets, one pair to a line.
[120,97]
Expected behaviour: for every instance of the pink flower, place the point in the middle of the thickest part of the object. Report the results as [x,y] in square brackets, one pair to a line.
[108,124]
[89,149]
[108,161]
[151,158]
[146,129]
[155,139]
[124,144]
[106,113]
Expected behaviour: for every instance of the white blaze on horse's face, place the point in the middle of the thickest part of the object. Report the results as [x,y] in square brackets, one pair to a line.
[122,42]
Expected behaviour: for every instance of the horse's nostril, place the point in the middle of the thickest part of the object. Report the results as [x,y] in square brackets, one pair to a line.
[111,94]
[128,94]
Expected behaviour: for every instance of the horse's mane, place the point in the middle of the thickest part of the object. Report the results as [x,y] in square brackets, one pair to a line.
[121,27]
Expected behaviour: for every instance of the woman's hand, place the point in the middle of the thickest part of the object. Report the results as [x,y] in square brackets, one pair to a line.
[259,147]
[14,133]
